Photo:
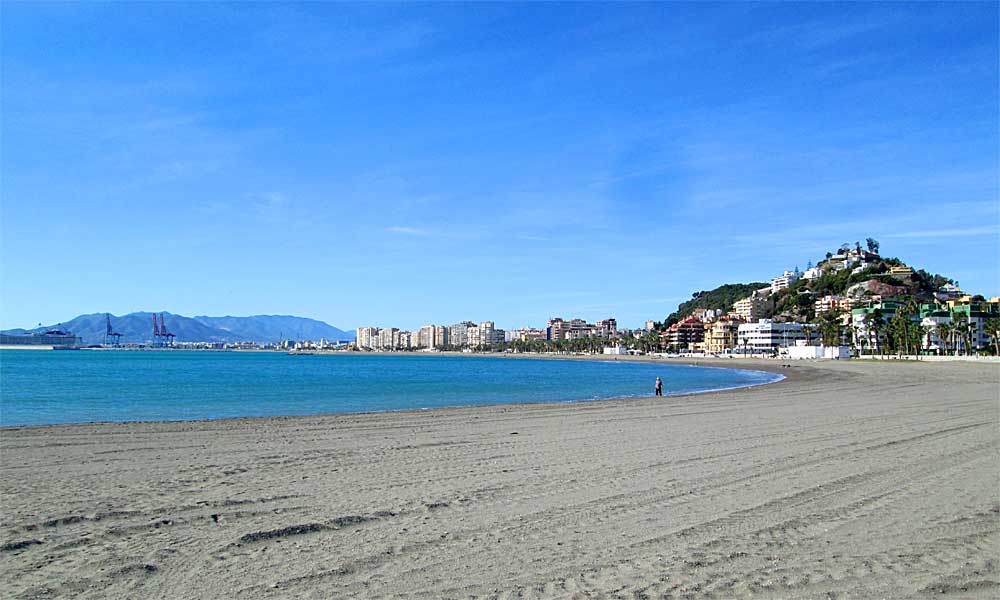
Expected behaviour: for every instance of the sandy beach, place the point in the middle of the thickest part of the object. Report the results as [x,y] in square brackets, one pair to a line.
[846,480]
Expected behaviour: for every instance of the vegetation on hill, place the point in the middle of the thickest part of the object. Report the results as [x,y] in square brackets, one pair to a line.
[721,297]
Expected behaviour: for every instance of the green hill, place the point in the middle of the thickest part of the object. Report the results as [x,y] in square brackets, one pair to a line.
[721,297]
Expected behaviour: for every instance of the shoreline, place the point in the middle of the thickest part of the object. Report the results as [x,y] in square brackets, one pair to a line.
[775,369]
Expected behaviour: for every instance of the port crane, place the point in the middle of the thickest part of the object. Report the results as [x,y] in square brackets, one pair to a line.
[110,334]
[166,337]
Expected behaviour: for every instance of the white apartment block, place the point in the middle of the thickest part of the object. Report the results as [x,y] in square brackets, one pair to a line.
[812,273]
[767,336]
[784,280]
[367,337]
[405,340]
[458,334]
[388,338]
[755,306]
[485,334]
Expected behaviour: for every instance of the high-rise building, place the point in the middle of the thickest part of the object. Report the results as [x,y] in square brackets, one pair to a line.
[367,337]
[440,339]
[458,334]
[388,338]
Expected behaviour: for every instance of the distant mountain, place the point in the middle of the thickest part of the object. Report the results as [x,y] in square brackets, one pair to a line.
[274,328]
[138,328]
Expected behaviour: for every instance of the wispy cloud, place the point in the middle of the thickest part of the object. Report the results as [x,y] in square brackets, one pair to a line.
[407,230]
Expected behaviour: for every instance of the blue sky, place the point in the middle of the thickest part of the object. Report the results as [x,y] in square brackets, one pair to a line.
[411,164]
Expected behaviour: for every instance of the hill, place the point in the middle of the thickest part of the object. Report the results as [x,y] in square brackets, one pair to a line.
[137,328]
[721,297]
[274,328]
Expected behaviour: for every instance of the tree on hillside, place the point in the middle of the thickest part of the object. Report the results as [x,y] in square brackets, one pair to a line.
[872,245]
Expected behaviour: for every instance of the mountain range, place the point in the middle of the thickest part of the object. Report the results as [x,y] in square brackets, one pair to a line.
[137,327]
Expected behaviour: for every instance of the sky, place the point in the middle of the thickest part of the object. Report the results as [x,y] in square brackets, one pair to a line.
[407,164]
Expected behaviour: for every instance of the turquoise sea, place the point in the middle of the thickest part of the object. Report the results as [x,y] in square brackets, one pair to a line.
[45,387]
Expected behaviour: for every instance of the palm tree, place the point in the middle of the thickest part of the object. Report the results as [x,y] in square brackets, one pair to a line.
[876,323]
[959,325]
[992,329]
[943,331]
[925,337]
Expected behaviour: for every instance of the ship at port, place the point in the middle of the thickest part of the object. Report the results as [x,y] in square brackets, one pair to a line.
[54,339]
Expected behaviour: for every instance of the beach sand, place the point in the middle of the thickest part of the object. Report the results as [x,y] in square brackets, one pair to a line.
[847,480]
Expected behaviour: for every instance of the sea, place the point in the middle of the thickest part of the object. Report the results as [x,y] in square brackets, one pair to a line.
[49,387]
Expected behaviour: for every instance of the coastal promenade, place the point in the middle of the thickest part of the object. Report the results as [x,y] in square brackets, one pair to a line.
[847,479]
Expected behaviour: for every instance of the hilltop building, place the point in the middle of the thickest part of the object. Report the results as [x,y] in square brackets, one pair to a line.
[784,280]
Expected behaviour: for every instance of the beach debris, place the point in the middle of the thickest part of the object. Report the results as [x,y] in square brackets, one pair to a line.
[12,546]
[349,520]
[258,536]
[436,505]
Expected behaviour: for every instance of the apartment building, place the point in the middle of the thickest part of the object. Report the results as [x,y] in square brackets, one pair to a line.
[722,335]
[528,334]
[485,334]
[754,307]
[367,337]
[829,303]
[685,334]
[561,329]
[784,280]
[388,338]
[458,334]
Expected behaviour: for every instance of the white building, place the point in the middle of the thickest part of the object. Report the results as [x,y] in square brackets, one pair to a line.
[458,334]
[485,334]
[802,351]
[388,338]
[784,280]
[812,273]
[767,336]
[755,305]
[367,337]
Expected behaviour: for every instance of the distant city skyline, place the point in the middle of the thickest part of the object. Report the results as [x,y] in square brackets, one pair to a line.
[406,165]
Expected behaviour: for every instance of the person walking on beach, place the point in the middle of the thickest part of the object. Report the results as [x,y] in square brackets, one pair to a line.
[659,386]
